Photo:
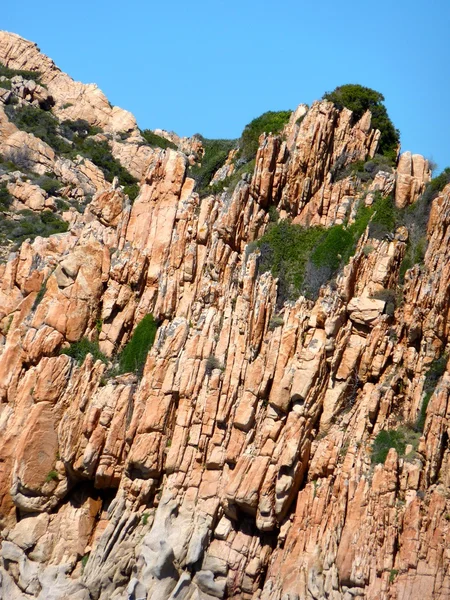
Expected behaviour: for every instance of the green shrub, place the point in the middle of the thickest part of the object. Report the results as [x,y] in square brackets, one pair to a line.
[78,129]
[5,84]
[437,184]
[10,73]
[231,182]
[415,218]
[52,476]
[269,122]
[99,153]
[384,218]
[156,140]
[215,154]
[393,438]
[434,373]
[392,575]
[49,184]
[358,99]
[62,205]
[40,123]
[40,294]
[5,198]
[389,297]
[132,191]
[79,350]
[420,423]
[285,250]
[276,321]
[274,215]
[30,225]
[84,561]
[363,170]
[212,363]
[45,126]
[134,354]
[334,244]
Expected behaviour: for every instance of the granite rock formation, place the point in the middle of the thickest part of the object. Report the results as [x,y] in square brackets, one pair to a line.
[238,464]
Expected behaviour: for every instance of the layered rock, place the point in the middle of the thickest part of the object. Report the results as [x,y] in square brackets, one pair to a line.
[239,464]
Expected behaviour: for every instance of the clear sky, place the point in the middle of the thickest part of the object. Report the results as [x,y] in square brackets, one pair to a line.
[209,67]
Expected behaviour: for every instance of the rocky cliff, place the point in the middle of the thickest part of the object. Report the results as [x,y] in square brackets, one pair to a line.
[242,460]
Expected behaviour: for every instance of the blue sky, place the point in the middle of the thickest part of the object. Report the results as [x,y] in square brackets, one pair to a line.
[210,67]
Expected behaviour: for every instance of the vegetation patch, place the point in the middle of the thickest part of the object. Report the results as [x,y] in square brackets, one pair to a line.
[71,138]
[304,259]
[415,218]
[52,476]
[10,73]
[5,198]
[133,356]
[269,122]
[79,350]
[49,184]
[28,225]
[40,123]
[5,84]
[100,154]
[434,373]
[157,141]
[358,99]
[393,438]
[213,363]
[84,561]
[363,170]
[40,294]
[215,155]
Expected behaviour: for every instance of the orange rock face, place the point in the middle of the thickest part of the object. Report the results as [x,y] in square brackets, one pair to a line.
[240,462]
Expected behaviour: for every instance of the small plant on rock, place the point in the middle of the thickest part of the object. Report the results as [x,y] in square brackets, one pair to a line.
[133,356]
[212,363]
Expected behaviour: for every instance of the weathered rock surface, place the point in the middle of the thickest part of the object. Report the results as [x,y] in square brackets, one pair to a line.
[239,464]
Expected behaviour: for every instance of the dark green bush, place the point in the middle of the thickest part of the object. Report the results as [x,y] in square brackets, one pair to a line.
[384,218]
[5,198]
[62,204]
[212,363]
[40,123]
[437,184]
[156,140]
[99,153]
[269,122]
[30,225]
[5,84]
[79,129]
[134,355]
[49,184]
[334,244]
[9,73]
[420,423]
[40,294]
[44,125]
[435,371]
[79,350]
[215,154]
[364,171]
[358,99]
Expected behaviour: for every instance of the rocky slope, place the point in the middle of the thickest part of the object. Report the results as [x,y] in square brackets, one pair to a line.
[241,463]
